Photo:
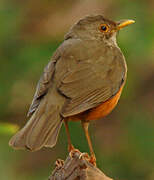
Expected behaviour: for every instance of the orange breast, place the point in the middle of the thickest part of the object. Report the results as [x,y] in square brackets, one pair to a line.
[105,108]
[100,111]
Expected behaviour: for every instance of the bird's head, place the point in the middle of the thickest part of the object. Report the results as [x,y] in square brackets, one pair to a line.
[97,27]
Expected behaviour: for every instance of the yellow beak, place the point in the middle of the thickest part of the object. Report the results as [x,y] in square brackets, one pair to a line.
[124,23]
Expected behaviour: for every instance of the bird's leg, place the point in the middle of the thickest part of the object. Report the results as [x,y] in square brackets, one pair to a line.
[85,125]
[70,146]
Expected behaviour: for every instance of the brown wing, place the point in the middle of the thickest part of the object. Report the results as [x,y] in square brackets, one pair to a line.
[42,86]
[90,84]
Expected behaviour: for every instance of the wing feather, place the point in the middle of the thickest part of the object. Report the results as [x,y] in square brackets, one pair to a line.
[85,88]
[42,86]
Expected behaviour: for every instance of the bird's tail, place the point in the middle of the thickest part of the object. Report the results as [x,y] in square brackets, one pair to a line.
[41,130]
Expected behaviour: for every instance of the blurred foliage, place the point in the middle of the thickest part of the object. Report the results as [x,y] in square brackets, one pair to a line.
[29,34]
[7,128]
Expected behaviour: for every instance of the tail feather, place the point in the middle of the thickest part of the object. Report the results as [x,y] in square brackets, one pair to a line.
[52,138]
[41,130]
[19,139]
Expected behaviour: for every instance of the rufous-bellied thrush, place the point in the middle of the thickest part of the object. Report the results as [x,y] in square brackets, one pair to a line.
[82,82]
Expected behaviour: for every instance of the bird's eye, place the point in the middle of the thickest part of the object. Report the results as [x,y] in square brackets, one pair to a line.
[104,28]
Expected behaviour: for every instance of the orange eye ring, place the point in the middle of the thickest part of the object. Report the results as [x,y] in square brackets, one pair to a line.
[104,28]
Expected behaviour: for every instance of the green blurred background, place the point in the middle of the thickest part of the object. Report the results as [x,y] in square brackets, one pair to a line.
[30,31]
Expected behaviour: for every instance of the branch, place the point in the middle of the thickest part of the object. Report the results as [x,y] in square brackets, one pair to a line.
[77,167]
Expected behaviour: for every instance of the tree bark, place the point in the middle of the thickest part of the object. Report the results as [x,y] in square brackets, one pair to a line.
[77,167]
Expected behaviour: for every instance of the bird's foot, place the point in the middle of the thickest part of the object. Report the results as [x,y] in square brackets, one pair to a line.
[92,160]
[72,151]
[85,156]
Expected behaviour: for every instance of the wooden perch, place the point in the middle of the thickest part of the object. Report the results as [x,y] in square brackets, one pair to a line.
[77,167]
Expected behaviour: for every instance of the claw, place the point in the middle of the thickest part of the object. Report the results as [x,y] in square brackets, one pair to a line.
[73,151]
[84,155]
[93,160]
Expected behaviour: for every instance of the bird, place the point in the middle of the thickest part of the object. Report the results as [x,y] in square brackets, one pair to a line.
[83,82]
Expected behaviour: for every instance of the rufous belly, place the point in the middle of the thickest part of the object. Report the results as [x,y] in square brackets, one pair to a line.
[100,111]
